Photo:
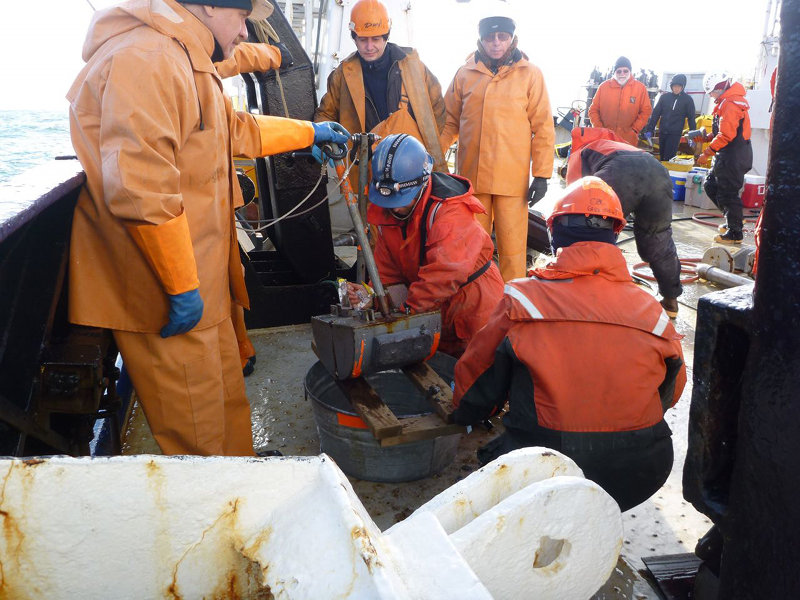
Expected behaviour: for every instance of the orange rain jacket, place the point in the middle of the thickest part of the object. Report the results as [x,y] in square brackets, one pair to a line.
[456,247]
[248,58]
[623,109]
[156,135]
[595,348]
[345,99]
[731,113]
[503,124]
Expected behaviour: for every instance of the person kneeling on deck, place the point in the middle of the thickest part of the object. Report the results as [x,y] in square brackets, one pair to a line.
[588,362]
[429,241]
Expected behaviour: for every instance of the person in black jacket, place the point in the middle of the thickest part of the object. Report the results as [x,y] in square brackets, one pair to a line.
[672,109]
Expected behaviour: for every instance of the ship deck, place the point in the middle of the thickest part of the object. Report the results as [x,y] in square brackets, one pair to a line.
[282,420]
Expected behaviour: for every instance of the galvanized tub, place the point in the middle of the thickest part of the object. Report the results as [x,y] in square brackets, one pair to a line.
[345,438]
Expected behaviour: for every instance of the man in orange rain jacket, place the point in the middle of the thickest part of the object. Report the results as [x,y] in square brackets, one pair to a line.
[644,188]
[153,254]
[587,361]
[734,153]
[498,108]
[621,104]
[382,87]
[429,241]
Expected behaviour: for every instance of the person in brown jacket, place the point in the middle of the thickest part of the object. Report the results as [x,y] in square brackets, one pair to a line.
[499,110]
[621,104]
[153,251]
[382,87]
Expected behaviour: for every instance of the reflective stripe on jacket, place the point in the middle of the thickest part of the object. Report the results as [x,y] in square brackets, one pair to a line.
[504,126]
[588,350]
[156,134]
[623,109]
[456,247]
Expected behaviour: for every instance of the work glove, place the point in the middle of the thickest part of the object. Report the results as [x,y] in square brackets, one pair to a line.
[705,158]
[696,133]
[286,57]
[330,131]
[185,311]
[537,190]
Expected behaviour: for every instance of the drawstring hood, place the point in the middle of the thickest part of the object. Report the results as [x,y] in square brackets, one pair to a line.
[165,16]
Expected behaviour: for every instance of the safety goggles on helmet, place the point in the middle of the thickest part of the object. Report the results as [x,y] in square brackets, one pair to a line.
[395,162]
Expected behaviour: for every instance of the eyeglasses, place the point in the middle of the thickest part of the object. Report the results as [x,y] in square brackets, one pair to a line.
[500,36]
[622,71]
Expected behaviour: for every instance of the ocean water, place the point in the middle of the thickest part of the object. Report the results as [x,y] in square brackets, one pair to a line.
[30,138]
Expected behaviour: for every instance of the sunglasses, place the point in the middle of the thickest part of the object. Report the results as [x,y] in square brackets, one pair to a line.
[622,71]
[500,36]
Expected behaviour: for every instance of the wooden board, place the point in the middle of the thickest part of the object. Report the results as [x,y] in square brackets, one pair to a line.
[436,389]
[427,427]
[379,418]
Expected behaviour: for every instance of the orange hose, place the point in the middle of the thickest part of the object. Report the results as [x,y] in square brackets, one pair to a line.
[688,266]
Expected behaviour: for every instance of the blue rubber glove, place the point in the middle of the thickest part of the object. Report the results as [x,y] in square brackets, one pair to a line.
[330,131]
[185,311]
[648,135]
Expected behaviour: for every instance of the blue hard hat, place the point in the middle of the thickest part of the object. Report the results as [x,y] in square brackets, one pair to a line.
[401,167]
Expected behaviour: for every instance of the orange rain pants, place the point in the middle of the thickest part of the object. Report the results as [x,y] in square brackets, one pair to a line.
[191,389]
[510,216]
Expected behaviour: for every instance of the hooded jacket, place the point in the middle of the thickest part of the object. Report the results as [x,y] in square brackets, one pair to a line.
[673,110]
[156,135]
[623,109]
[731,118]
[545,350]
[504,126]
[455,248]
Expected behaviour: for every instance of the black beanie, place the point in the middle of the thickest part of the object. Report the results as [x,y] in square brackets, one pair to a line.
[622,61]
[679,79]
[492,24]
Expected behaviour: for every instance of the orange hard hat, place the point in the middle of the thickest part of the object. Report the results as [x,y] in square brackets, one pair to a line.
[369,18]
[590,197]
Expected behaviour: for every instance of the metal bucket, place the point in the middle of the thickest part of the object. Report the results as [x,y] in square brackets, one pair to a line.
[345,438]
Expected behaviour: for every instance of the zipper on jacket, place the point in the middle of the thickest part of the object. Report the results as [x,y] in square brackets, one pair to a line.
[197,91]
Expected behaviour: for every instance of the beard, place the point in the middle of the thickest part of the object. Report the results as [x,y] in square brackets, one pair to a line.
[622,79]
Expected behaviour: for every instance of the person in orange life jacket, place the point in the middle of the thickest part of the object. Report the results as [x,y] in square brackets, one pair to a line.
[621,104]
[370,89]
[499,110]
[643,186]
[429,243]
[158,198]
[672,109]
[733,153]
[586,360]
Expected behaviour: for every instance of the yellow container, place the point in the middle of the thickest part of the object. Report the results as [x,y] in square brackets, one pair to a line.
[682,162]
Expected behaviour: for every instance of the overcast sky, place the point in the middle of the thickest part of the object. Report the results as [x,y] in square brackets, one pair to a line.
[41,41]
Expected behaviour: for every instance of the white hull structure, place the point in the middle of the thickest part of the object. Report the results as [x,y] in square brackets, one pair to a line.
[136,527]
